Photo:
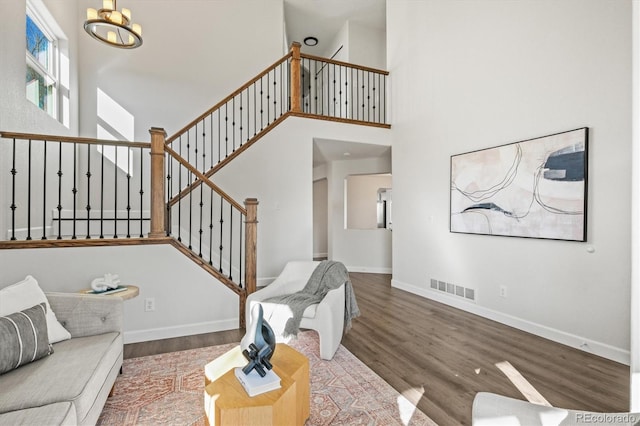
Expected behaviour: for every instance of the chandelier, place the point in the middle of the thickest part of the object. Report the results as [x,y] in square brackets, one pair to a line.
[112,26]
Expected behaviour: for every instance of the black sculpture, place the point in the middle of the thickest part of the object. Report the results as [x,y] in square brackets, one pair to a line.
[259,344]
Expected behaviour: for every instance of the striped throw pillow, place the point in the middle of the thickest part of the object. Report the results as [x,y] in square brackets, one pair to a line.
[23,337]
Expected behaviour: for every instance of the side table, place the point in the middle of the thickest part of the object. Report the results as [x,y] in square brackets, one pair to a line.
[131,292]
[227,403]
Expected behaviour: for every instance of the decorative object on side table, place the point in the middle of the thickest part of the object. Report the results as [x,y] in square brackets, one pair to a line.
[258,346]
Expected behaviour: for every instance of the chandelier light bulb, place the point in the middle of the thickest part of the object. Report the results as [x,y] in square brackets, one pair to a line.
[92,14]
[136,28]
[111,37]
[116,17]
[126,13]
[107,4]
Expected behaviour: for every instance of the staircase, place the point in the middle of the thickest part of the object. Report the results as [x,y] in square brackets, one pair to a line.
[71,191]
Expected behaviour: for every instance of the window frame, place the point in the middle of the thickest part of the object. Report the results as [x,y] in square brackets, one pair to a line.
[51,73]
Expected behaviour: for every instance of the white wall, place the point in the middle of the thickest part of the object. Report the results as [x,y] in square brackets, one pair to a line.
[278,171]
[188,300]
[320,220]
[361,250]
[468,75]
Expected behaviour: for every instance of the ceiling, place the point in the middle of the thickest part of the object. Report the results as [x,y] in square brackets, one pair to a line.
[324,19]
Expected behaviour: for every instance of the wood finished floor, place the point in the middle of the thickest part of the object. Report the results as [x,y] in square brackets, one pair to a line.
[439,357]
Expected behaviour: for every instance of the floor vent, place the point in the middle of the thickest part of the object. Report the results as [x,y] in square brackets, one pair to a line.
[468,294]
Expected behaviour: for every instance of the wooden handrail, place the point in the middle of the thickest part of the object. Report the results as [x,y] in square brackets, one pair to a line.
[73,139]
[228,98]
[344,64]
[203,178]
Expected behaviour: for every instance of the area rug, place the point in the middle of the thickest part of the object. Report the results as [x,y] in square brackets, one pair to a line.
[168,389]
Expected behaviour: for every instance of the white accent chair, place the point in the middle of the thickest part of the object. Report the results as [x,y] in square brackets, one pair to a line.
[490,409]
[326,317]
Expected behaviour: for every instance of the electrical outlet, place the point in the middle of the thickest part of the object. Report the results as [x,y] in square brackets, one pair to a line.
[503,291]
[149,304]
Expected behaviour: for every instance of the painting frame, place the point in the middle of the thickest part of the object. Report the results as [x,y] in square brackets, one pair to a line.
[534,188]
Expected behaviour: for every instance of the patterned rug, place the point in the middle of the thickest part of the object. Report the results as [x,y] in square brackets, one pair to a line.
[168,389]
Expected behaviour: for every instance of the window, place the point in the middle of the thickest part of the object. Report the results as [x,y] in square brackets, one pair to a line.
[42,65]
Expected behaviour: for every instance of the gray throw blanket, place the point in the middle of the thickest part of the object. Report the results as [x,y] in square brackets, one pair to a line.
[327,276]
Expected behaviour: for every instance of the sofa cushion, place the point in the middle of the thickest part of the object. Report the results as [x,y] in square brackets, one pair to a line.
[25,294]
[61,413]
[75,372]
[23,337]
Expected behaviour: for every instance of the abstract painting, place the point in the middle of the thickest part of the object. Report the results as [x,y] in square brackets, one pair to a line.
[535,188]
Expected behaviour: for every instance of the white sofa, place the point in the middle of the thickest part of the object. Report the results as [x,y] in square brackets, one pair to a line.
[70,386]
[326,317]
[490,409]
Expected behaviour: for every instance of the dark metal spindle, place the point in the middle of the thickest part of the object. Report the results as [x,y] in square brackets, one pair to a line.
[226,130]
[241,141]
[44,193]
[211,137]
[231,241]
[200,230]
[211,227]
[261,106]
[189,183]
[180,188]
[268,99]
[74,191]
[233,123]
[204,146]
[141,194]
[115,195]
[59,207]
[13,191]
[29,194]
[129,193]
[221,223]
[255,116]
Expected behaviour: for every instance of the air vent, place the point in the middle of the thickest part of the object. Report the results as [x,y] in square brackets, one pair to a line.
[468,294]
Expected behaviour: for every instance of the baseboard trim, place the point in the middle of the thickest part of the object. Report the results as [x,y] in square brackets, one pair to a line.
[369,269]
[137,336]
[587,345]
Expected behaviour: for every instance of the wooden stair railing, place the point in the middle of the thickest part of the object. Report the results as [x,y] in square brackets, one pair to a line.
[159,211]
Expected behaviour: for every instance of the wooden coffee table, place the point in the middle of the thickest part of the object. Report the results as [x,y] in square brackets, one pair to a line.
[227,403]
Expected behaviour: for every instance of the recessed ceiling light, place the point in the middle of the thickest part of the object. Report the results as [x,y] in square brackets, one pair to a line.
[346,154]
[310,41]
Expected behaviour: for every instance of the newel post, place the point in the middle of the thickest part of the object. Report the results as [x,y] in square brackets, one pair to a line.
[296,85]
[251,251]
[158,207]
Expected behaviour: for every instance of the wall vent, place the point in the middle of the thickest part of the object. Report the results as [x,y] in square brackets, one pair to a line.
[468,294]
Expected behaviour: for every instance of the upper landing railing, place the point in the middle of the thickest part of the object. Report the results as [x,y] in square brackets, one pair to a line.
[295,85]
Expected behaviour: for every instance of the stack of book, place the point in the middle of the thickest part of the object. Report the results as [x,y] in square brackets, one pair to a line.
[254,385]
[108,291]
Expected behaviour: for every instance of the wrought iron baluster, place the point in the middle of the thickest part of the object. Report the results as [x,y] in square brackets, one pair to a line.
[233,123]
[226,130]
[115,195]
[230,241]
[141,195]
[211,138]
[29,193]
[189,183]
[261,107]
[200,230]
[204,146]
[13,191]
[268,100]
[241,125]
[129,192]
[74,191]
[211,227]
[179,189]
[384,117]
[59,207]
[368,95]
[221,224]
[44,193]
[101,192]
[363,98]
